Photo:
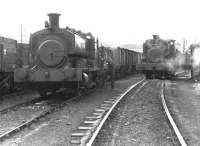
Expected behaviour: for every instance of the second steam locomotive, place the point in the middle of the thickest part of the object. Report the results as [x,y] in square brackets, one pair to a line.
[159,58]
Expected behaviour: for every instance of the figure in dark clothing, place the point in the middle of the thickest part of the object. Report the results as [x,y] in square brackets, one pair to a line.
[111,72]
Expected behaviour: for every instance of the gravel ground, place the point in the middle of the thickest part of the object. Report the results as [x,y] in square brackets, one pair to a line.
[56,131]
[17,98]
[15,118]
[184,102]
[138,120]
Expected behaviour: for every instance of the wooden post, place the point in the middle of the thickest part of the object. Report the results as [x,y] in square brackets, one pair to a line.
[1,57]
[191,52]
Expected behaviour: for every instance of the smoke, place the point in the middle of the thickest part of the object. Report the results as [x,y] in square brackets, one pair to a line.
[196,61]
[177,63]
[196,57]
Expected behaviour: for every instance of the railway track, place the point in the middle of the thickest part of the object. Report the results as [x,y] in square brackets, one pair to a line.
[170,118]
[86,133]
[22,106]
[50,107]
[6,109]
[37,98]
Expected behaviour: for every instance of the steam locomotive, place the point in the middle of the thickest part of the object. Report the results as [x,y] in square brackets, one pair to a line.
[159,58]
[64,57]
[59,57]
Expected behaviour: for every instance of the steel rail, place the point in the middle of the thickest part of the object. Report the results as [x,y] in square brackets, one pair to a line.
[175,128]
[14,130]
[43,114]
[33,101]
[95,133]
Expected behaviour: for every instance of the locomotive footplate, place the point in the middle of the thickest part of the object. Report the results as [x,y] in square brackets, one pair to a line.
[151,66]
[48,75]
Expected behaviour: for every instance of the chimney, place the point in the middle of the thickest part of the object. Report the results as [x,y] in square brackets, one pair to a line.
[53,21]
[156,37]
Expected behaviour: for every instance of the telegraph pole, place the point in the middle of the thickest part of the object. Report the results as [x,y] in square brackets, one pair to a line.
[1,56]
[21,33]
[184,44]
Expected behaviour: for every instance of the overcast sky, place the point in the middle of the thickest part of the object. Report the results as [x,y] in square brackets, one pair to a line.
[115,22]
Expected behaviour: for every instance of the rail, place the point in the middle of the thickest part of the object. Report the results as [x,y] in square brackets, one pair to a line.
[36,118]
[95,133]
[175,128]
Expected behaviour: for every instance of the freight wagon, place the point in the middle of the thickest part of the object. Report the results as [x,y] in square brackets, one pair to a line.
[8,60]
[8,54]
[12,56]
[125,61]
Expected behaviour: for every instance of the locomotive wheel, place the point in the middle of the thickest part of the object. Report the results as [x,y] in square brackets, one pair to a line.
[101,82]
[148,76]
[11,85]
[117,75]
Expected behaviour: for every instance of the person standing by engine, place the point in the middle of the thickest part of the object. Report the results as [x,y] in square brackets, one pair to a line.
[111,72]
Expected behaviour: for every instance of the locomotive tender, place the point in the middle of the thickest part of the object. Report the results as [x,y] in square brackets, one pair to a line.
[159,58]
